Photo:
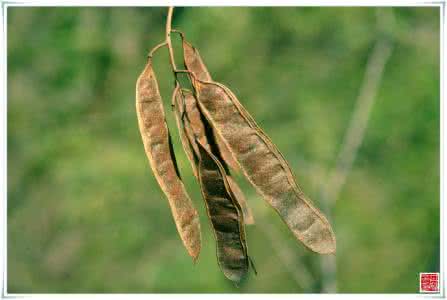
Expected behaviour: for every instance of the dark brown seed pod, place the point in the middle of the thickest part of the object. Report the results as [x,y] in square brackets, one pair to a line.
[192,125]
[223,208]
[263,165]
[157,144]
[225,215]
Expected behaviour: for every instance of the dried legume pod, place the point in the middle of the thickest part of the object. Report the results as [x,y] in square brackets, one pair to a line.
[180,114]
[223,209]
[194,63]
[225,215]
[157,144]
[240,197]
[263,165]
[192,125]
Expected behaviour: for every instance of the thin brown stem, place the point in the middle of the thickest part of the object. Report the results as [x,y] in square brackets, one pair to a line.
[182,35]
[155,49]
[168,38]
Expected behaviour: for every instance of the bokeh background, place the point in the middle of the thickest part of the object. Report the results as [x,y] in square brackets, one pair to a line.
[85,213]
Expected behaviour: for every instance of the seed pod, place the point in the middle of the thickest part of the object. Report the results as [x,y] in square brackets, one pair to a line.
[195,127]
[180,114]
[194,63]
[157,144]
[240,197]
[263,165]
[225,215]
[222,206]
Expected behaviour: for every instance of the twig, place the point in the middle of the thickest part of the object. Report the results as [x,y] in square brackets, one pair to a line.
[367,95]
[168,38]
[155,49]
[355,132]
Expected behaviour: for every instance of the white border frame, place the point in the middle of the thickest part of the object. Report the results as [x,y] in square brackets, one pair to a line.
[117,3]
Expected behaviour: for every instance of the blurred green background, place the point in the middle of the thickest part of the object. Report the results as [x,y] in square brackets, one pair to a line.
[85,213]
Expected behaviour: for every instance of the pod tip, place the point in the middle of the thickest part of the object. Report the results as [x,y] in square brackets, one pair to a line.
[325,246]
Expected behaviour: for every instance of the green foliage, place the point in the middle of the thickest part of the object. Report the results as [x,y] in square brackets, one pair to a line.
[84,211]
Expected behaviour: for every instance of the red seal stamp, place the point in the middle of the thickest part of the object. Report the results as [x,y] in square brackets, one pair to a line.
[429,282]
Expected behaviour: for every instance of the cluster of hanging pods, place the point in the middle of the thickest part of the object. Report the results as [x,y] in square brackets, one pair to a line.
[219,136]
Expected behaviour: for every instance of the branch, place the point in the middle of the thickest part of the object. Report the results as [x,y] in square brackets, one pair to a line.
[355,132]
[359,120]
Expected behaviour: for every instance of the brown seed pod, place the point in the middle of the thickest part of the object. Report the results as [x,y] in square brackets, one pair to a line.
[192,125]
[263,165]
[222,206]
[178,106]
[157,144]
[194,63]
[225,215]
